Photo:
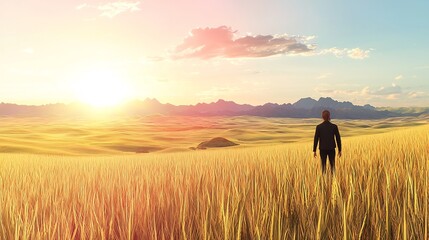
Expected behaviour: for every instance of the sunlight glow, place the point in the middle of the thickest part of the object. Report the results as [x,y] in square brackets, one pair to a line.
[101,88]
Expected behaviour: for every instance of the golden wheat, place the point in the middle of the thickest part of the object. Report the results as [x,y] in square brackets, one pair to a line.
[380,191]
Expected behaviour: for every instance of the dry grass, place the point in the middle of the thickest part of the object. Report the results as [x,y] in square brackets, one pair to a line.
[119,136]
[380,191]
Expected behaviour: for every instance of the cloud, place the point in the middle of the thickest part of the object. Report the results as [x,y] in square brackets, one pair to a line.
[399,77]
[389,90]
[341,92]
[366,91]
[418,94]
[354,53]
[206,43]
[392,92]
[112,9]
[392,95]
[357,53]
[223,42]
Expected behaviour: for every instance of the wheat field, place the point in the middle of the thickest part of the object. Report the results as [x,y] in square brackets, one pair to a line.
[380,191]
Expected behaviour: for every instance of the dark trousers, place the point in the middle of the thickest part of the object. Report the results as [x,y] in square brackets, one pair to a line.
[324,154]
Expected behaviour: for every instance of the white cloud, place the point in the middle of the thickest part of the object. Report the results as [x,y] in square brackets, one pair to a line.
[335,51]
[389,90]
[399,77]
[357,53]
[392,96]
[113,9]
[354,53]
[341,92]
[418,94]
[367,94]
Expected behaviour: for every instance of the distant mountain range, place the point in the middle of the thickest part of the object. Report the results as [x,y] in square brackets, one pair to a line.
[304,108]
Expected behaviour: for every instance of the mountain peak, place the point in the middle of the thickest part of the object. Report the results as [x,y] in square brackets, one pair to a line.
[327,99]
[305,103]
[307,99]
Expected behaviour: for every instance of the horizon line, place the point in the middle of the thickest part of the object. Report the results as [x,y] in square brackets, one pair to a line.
[194,104]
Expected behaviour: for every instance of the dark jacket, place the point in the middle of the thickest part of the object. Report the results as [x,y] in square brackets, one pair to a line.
[325,132]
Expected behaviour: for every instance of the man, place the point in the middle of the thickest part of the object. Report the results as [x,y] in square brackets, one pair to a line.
[325,133]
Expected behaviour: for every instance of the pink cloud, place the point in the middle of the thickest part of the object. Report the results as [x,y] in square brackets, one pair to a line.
[208,43]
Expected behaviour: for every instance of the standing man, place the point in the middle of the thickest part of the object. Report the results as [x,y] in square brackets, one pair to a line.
[325,133]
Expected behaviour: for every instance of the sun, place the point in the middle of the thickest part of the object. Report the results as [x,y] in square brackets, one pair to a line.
[101,88]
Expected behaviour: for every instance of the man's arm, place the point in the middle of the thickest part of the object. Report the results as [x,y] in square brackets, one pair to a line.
[316,139]
[338,138]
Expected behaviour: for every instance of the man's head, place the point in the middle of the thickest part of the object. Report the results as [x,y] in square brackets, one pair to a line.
[326,115]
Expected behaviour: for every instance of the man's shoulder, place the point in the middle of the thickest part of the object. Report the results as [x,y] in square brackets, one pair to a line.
[324,124]
[327,124]
[334,126]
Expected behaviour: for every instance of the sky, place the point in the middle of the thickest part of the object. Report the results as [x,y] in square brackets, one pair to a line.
[185,52]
